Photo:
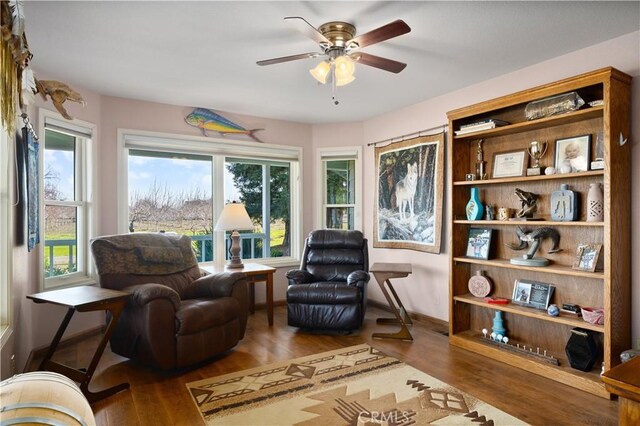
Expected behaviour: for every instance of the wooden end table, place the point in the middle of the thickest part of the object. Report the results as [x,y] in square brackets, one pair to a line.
[624,381]
[383,272]
[83,299]
[255,273]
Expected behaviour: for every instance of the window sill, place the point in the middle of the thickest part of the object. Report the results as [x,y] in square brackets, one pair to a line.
[59,283]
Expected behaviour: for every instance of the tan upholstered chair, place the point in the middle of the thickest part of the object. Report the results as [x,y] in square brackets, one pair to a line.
[175,316]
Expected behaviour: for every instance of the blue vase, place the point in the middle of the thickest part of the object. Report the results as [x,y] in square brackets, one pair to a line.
[498,327]
[474,206]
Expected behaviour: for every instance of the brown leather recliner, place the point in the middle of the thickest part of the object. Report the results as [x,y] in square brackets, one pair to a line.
[175,316]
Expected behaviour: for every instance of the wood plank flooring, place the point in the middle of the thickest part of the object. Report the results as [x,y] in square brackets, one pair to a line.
[157,398]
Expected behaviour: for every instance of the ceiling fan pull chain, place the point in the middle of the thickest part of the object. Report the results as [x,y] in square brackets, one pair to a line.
[333,84]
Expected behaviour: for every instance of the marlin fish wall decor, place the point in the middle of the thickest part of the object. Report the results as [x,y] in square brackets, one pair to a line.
[205,119]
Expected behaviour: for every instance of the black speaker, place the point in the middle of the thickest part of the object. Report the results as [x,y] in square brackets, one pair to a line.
[582,349]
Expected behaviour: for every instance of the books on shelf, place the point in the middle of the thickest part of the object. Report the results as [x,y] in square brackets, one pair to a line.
[490,123]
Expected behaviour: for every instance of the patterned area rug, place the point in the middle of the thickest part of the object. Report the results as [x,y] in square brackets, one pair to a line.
[358,385]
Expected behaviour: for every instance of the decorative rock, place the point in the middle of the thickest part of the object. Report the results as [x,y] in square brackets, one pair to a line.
[550,171]
[553,310]
[566,168]
[627,355]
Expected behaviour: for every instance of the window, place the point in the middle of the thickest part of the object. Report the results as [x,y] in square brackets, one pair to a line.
[6,168]
[176,185]
[66,190]
[340,188]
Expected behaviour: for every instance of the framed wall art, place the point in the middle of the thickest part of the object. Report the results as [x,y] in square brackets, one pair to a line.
[573,152]
[408,201]
[508,164]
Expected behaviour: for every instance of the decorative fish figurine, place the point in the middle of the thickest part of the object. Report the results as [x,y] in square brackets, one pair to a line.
[205,119]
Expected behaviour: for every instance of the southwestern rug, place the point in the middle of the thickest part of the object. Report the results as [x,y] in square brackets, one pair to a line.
[357,385]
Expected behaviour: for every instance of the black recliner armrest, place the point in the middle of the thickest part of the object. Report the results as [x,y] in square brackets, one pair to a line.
[299,276]
[358,278]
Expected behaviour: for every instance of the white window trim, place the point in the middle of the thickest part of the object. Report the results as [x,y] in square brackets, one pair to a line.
[338,153]
[86,274]
[218,147]
[7,155]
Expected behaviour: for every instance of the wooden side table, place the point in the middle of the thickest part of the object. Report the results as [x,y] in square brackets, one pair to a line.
[624,381]
[83,299]
[255,273]
[383,272]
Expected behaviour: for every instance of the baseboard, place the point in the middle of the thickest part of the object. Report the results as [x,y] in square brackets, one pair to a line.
[436,324]
[40,352]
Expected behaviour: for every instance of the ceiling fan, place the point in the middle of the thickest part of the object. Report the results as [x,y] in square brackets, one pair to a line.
[338,42]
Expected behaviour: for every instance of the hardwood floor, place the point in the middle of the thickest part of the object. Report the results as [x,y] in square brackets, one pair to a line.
[157,398]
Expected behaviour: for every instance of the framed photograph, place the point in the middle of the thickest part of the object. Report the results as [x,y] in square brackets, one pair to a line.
[508,164]
[407,212]
[587,256]
[574,152]
[534,294]
[479,243]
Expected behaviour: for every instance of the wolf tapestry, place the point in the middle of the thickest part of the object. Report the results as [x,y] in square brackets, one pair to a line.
[408,211]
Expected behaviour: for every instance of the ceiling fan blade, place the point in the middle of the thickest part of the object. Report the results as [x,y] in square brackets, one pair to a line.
[289,58]
[385,32]
[309,30]
[378,62]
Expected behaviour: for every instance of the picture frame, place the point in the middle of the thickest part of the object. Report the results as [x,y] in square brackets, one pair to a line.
[574,152]
[533,294]
[408,212]
[509,164]
[587,257]
[479,243]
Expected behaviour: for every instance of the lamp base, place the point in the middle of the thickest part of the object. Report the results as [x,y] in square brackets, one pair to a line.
[235,264]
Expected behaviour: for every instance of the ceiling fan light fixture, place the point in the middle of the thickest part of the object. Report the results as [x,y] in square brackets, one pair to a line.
[344,81]
[321,71]
[345,67]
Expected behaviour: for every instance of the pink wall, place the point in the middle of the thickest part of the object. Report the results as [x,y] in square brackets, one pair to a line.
[426,290]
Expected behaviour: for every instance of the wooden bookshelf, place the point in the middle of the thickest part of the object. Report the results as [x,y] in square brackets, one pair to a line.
[608,288]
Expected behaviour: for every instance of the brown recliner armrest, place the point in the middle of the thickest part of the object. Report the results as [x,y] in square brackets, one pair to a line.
[226,284]
[142,294]
[300,276]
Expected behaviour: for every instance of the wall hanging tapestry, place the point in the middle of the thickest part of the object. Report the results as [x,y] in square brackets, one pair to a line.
[357,385]
[33,191]
[408,203]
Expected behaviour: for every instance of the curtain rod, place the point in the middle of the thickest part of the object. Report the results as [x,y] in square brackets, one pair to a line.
[418,133]
[29,126]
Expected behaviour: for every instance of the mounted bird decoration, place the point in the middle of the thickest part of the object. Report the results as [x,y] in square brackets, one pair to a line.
[205,119]
[59,93]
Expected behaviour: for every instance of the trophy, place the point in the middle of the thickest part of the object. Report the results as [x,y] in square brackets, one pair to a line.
[536,150]
[480,163]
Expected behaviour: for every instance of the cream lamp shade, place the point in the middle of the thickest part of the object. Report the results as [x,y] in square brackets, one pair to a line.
[321,71]
[234,217]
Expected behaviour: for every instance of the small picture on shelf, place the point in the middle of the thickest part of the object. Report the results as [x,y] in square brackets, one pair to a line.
[533,294]
[479,243]
[573,154]
[587,256]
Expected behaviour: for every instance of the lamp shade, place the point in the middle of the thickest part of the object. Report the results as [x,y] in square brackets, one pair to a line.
[234,217]
[344,68]
[321,71]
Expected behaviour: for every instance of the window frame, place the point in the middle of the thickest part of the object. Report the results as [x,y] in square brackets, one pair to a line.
[85,199]
[7,154]
[220,149]
[333,154]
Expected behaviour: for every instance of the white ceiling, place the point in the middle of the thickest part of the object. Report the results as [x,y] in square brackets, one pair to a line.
[203,54]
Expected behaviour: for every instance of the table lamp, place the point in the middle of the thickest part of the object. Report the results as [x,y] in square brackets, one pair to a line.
[234,217]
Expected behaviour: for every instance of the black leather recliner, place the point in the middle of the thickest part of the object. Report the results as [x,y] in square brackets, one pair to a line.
[329,291]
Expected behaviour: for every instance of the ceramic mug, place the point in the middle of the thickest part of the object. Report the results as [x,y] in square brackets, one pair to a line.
[504,213]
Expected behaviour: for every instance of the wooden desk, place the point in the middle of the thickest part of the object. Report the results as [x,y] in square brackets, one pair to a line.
[83,299]
[624,381]
[255,273]
[383,272]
